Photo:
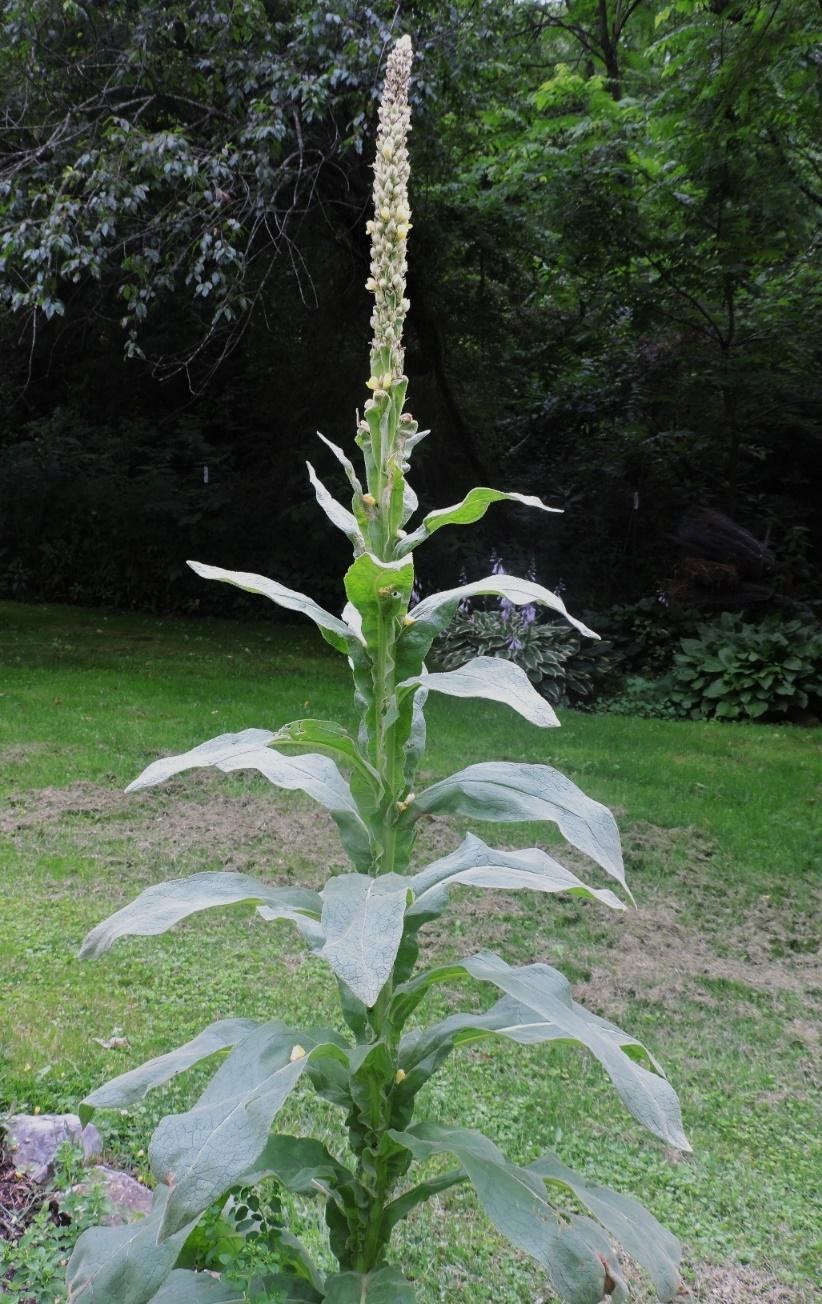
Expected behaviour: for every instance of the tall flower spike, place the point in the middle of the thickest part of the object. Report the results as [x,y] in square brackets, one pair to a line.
[391,222]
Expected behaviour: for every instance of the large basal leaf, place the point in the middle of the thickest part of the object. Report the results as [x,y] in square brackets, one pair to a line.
[645,1093]
[362,921]
[637,1231]
[474,864]
[472,508]
[202,1153]
[184,1287]
[124,1265]
[516,1203]
[162,906]
[311,773]
[382,1286]
[495,680]
[333,630]
[336,513]
[507,791]
[130,1087]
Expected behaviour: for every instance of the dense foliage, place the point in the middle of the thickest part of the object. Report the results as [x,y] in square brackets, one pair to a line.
[366,924]
[737,671]
[615,299]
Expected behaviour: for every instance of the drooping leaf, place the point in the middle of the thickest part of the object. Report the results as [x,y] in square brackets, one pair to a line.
[202,1153]
[645,1093]
[495,680]
[435,612]
[472,508]
[474,864]
[336,513]
[312,773]
[184,1287]
[382,1286]
[333,630]
[637,1231]
[130,1087]
[162,906]
[362,921]
[213,752]
[507,791]
[516,1203]
[124,1265]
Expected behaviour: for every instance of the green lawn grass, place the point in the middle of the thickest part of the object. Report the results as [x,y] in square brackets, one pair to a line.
[713,971]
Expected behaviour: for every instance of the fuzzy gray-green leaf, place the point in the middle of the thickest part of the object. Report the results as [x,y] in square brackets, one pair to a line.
[334,630]
[516,1203]
[637,1231]
[507,791]
[203,1152]
[495,680]
[362,920]
[336,513]
[646,1094]
[382,1286]
[474,864]
[184,1287]
[124,1265]
[162,906]
[130,1087]
[472,508]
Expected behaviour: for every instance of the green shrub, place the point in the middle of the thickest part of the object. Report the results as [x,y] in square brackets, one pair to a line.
[737,671]
[643,635]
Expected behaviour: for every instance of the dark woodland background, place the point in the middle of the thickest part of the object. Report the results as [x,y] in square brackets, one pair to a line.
[614,289]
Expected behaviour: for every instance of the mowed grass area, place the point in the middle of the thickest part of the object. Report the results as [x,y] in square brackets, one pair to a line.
[715,970]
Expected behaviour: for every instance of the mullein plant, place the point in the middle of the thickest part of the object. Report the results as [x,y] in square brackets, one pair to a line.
[365,924]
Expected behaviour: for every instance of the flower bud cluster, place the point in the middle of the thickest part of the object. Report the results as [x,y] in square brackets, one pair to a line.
[392,220]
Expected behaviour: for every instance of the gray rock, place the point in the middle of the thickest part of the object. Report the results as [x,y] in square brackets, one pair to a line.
[34,1139]
[125,1197]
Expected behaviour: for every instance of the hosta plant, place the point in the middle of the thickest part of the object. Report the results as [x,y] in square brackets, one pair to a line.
[366,923]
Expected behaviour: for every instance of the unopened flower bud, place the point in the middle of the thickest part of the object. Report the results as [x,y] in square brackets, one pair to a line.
[371,284]
[387,380]
[373,382]
[385,214]
[297,1052]
[400,1076]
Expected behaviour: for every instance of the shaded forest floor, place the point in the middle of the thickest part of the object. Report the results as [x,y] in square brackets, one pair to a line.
[715,970]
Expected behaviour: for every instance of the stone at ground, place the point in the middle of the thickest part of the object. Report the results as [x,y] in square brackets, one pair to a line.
[34,1139]
[125,1197]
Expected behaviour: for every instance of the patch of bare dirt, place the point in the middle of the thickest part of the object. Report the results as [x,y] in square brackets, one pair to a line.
[19,753]
[738,1285]
[654,956]
[41,805]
